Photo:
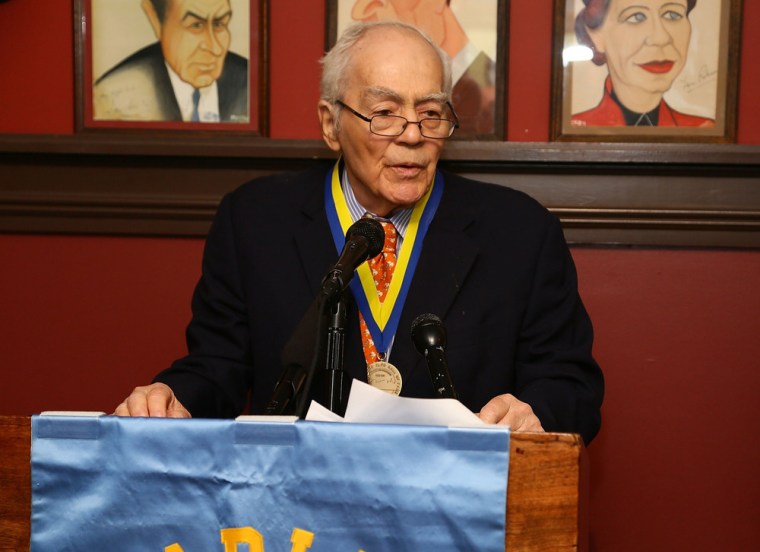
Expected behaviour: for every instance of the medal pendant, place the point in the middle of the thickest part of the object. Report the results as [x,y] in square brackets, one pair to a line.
[384,376]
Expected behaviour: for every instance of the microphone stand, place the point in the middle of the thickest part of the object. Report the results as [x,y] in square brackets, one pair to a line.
[364,239]
[334,351]
[330,337]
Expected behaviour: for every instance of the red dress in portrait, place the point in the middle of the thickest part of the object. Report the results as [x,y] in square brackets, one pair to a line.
[608,113]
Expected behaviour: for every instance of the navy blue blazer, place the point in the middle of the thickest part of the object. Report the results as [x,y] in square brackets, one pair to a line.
[232,85]
[494,267]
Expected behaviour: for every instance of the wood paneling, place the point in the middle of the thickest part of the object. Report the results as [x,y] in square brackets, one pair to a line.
[700,195]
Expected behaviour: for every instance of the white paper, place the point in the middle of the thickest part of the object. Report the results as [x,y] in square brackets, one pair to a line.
[77,413]
[319,413]
[367,404]
[267,419]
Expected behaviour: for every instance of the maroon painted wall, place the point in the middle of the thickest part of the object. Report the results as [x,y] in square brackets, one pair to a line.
[675,467]
[39,55]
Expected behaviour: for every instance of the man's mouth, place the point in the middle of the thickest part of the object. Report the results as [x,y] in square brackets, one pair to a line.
[407,169]
[658,67]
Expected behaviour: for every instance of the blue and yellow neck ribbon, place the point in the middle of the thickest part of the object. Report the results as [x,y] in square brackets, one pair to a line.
[382,318]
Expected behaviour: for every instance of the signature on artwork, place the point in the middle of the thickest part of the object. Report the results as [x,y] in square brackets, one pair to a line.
[704,76]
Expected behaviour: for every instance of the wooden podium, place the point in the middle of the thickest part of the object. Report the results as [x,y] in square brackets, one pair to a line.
[546,500]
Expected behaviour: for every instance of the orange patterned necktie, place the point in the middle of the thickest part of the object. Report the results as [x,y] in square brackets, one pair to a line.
[382,271]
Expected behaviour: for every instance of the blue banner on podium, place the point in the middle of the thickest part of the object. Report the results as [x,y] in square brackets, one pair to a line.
[166,485]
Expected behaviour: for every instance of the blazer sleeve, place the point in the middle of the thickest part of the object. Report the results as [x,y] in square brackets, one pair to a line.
[555,370]
[212,380]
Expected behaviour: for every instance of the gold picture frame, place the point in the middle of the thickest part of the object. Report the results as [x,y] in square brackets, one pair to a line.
[662,71]
[123,80]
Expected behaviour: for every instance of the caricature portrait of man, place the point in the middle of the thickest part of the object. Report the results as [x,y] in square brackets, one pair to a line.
[189,74]
[473,71]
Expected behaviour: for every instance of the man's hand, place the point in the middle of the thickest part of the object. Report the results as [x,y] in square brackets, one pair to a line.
[156,400]
[508,410]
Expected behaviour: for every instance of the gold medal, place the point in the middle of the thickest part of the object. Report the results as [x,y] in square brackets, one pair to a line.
[384,376]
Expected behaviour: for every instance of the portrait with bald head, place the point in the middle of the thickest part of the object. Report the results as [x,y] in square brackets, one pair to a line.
[468,32]
[171,60]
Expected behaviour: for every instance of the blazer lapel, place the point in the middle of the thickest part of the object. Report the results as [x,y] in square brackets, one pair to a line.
[167,101]
[313,240]
[316,249]
[447,258]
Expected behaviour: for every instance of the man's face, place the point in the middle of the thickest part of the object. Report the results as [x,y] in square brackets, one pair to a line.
[195,38]
[392,72]
[423,14]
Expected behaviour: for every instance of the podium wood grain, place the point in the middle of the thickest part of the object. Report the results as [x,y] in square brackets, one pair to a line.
[546,496]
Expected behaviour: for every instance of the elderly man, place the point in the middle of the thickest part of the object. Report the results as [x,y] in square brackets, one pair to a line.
[188,75]
[490,261]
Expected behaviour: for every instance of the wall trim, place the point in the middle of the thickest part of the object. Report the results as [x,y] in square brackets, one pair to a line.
[163,184]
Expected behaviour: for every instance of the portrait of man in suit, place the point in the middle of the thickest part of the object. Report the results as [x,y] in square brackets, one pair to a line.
[188,74]
[473,70]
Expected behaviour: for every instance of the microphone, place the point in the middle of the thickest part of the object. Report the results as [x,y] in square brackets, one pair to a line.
[429,337]
[364,240]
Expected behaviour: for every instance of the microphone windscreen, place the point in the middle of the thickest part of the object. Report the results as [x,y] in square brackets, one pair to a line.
[428,331]
[372,230]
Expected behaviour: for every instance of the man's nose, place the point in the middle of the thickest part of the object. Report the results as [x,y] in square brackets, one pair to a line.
[412,133]
[211,41]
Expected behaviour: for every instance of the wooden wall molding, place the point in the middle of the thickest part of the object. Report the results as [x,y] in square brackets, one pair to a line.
[683,195]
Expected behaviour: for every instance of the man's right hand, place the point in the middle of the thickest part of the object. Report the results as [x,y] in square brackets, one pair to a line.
[156,400]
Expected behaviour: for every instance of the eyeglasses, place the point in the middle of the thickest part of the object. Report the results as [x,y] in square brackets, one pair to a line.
[395,125]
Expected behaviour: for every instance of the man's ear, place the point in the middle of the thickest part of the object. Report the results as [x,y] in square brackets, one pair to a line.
[365,10]
[155,22]
[328,124]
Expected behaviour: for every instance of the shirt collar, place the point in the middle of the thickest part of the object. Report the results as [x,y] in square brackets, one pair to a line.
[208,107]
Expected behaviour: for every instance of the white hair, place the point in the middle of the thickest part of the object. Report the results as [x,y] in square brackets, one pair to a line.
[335,63]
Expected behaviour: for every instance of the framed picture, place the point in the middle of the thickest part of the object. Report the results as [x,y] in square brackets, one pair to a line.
[171,64]
[647,71]
[474,35]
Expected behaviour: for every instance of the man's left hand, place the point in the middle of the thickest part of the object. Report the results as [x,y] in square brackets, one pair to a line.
[508,410]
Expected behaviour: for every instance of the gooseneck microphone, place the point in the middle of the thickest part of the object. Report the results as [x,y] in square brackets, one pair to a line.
[326,317]
[429,337]
[364,240]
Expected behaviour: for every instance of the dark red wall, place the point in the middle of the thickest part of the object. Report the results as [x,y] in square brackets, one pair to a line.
[675,467]
[40,55]
[677,463]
